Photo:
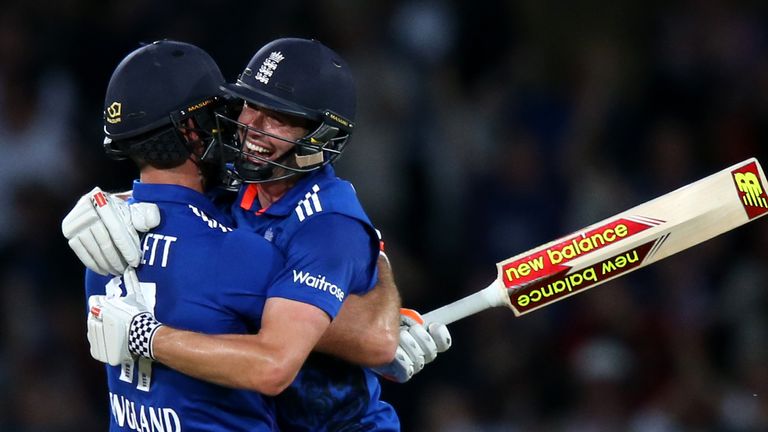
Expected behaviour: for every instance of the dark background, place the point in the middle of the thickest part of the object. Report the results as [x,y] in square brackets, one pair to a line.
[485,128]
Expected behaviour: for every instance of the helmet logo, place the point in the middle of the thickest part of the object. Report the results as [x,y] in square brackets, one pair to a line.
[269,66]
[113,112]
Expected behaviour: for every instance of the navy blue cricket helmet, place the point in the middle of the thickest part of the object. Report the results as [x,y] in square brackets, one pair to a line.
[152,92]
[301,78]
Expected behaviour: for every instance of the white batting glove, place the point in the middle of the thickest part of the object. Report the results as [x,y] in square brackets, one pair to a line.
[418,346]
[102,231]
[121,327]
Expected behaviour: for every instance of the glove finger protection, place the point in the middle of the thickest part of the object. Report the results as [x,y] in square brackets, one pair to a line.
[89,235]
[441,336]
[144,216]
[109,323]
[417,346]
[76,227]
[117,320]
[96,339]
[105,250]
[77,245]
[399,370]
[96,330]
[108,330]
[80,217]
[414,322]
[424,340]
[412,349]
[116,217]
[121,327]
[102,231]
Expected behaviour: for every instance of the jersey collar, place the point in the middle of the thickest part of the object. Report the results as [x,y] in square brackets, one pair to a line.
[248,200]
[151,192]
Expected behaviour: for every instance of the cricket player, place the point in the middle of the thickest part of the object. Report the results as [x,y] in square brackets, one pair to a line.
[297,115]
[159,112]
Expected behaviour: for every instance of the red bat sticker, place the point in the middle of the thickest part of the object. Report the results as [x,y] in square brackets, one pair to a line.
[552,260]
[561,284]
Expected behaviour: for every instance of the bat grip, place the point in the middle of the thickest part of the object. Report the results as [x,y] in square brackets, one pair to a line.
[491,296]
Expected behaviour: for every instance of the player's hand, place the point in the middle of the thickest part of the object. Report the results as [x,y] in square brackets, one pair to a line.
[418,346]
[121,327]
[102,231]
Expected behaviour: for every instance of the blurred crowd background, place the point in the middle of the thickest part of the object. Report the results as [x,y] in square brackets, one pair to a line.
[485,128]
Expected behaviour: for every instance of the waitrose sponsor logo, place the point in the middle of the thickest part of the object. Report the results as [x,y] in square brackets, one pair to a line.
[318,282]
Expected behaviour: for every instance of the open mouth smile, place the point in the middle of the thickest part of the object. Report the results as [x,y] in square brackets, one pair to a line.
[254,149]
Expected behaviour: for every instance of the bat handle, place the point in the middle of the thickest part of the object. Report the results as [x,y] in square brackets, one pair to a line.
[491,296]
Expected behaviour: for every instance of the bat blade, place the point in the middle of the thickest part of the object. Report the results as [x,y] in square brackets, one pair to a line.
[620,244]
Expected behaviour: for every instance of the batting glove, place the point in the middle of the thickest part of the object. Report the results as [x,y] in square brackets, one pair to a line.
[418,346]
[121,327]
[102,231]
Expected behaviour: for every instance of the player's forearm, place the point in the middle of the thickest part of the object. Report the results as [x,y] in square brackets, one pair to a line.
[366,330]
[237,361]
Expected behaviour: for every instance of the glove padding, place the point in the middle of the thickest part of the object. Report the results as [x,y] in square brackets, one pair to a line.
[418,346]
[121,327]
[102,231]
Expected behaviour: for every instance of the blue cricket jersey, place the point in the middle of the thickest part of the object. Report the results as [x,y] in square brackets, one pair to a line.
[200,275]
[331,251]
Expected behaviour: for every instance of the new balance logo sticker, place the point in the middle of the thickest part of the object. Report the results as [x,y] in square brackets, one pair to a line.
[309,205]
[319,283]
[213,224]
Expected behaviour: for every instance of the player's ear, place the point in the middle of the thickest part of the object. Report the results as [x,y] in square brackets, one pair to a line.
[188,130]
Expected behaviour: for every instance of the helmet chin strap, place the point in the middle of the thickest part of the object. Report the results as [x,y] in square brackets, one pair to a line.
[265,172]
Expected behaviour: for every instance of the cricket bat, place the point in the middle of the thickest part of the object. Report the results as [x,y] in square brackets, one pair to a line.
[620,244]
